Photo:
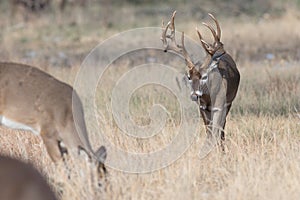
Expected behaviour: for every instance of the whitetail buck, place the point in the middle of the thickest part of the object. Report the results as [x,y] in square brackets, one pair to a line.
[21,181]
[33,100]
[214,82]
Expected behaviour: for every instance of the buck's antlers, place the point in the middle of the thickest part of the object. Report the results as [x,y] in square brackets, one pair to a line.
[180,49]
[212,48]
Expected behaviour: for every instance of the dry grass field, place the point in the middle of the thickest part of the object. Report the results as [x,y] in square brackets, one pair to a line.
[262,159]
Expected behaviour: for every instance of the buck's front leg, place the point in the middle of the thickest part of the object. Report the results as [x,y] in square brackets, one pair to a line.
[217,125]
[214,120]
[206,117]
[219,112]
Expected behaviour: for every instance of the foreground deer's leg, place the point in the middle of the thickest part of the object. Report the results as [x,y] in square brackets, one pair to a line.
[54,146]
[101,169]
[49,137]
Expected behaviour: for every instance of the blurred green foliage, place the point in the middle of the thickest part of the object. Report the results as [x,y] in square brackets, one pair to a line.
[227,7]
[222,7]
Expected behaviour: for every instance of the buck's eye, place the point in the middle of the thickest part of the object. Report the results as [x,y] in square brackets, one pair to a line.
[204,77]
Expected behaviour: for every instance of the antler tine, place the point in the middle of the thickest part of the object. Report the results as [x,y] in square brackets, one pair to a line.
[173,44]
[172,35]
[212,31]
[204,44]
[188,60]
[170,25]
[172,21]
[164,36]
[217,24]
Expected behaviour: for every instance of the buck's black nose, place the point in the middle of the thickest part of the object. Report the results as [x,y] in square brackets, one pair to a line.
[194,97]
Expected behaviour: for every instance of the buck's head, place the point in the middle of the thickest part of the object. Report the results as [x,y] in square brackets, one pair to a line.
[169,42]
[194,77]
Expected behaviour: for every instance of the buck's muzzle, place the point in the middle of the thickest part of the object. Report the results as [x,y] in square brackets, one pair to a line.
[194,97]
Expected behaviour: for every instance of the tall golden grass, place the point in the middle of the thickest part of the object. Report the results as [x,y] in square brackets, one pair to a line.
[261,162]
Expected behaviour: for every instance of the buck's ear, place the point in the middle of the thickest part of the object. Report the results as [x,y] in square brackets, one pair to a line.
[101,154]
[187,75]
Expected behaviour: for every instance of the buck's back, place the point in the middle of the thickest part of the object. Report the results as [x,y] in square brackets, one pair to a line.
[229,70]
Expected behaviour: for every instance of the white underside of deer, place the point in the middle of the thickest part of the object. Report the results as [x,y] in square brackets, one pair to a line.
[16,125]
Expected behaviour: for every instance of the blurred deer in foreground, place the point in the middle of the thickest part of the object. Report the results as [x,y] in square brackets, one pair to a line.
[33,100]
[214,83]
[21,181]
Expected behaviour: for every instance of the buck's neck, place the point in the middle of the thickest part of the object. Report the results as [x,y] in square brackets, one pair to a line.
[218,53]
